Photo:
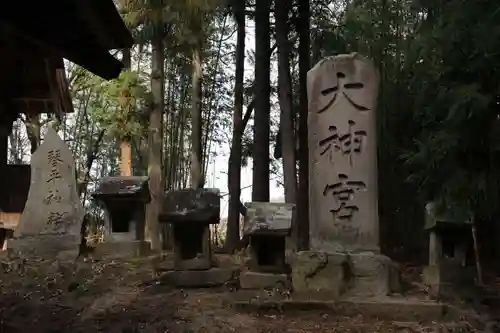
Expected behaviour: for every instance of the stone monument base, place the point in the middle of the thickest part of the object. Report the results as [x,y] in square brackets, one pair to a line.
[365,274]
[61,247]
[122,249]
[213,277]
[257,280]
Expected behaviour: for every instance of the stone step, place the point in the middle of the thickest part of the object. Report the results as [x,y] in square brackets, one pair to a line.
[383,309]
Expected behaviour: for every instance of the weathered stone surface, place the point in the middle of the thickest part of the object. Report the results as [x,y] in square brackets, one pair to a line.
[318,271]
[256,280]
[371,275]
[400,309]
[126,249]
[122,186]
[341,275]
[191,205]
[447,273]
[195,264]
[268,218]
[199,279]
[342,93]
[435,217]
[53,213]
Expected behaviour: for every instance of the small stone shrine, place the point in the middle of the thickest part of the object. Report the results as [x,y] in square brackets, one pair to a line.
[267,225]
[450,239]
[124,200]
[50,224]
[190,212]
[344,227]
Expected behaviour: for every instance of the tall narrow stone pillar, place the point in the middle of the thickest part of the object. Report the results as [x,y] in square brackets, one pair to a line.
[342,92]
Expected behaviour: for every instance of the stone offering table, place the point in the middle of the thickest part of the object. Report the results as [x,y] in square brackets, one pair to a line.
[450,238]
[267,225]
[190,213]
[124,201]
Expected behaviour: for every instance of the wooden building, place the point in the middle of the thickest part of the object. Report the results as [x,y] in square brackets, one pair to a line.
[35,36]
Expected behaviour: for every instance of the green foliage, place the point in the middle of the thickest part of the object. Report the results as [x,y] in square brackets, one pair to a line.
[122,97]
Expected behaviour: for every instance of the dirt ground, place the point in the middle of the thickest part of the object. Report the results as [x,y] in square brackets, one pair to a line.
[110,296]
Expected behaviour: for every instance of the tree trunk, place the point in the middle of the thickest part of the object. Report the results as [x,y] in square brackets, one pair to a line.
[302,226]
[126,143]
[155,144]
[196,125]
[234,167]
[126,157]
[260,176]
[287,127]
[33,130]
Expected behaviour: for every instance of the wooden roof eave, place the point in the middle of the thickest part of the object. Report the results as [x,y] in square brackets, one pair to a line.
[77,35]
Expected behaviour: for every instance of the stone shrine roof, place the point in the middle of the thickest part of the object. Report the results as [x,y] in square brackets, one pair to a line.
[437,219]
[190,205]
[122,186]
[268,218]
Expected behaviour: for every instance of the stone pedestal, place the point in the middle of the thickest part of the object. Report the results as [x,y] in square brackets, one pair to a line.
[124,200]
[267,225]
[257,280]
[190,213]
[341,275]
[212,277]
[122,250]
[450,236]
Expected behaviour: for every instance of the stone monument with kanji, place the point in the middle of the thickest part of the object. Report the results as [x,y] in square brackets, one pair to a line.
[50,224]
[344,227]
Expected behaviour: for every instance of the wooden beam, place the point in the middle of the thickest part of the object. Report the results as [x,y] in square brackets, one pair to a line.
[84,52]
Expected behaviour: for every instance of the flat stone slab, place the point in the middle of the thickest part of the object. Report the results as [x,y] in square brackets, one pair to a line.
[213,277]
[268,218]
[257,280]
[196,264]
[398,309]
[117,250]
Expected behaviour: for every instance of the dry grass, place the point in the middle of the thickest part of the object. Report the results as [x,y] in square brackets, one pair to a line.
[111,296]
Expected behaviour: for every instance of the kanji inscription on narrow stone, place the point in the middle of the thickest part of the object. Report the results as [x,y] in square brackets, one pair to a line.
[342,92]
[53,214]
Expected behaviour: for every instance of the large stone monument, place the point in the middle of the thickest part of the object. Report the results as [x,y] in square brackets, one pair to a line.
[344,233]
[51,222]
[342,94]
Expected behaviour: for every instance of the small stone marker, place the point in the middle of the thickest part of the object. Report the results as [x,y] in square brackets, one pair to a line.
[51,222]
[342,94]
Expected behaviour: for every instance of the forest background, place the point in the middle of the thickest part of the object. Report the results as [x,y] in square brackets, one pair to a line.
[214,95]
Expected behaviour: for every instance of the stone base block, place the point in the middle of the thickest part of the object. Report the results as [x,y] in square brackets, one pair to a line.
[196,264]
[356,275]
[447,274]
[199,279]
[61,247]
[126,249]
[390,309]
[256,280]
[317,271]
